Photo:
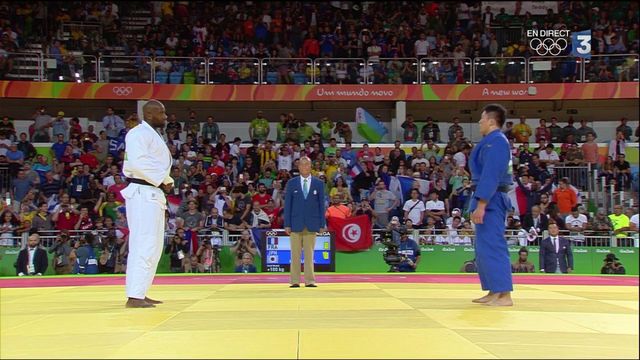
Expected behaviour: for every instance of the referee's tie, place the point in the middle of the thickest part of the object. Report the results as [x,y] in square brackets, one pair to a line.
[305,188]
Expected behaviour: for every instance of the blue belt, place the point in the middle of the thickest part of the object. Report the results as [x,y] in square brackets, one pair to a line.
[501,188]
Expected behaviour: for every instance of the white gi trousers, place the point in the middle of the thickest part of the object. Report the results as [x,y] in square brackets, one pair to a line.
[146,207]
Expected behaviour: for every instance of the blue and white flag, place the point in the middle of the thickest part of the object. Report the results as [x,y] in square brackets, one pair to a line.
[400,186]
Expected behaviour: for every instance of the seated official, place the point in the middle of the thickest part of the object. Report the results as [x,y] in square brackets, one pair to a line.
[247,264]
[32,260]
[411,251]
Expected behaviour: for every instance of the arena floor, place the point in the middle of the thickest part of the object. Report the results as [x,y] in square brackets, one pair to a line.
[347,316]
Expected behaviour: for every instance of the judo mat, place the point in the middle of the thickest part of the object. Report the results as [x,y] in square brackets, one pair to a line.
[364,316]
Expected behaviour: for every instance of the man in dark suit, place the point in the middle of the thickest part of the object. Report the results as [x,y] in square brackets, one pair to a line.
[536,220]
[32,260]
[556,255]
[303,217]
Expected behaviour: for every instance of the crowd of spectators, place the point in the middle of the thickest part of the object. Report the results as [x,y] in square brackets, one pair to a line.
[315,30]
[221,185]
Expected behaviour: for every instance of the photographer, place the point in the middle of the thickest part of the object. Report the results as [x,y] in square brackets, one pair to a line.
[177,253]
[410,251]
[61,250]
[243,245]
[209,257]
[612,266]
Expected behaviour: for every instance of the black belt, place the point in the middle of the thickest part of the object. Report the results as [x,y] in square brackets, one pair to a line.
[141,182]
[501,188]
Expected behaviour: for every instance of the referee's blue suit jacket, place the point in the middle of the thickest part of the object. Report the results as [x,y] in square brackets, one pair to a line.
[301,213]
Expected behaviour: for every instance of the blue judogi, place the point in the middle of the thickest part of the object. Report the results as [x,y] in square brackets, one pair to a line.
[491,173]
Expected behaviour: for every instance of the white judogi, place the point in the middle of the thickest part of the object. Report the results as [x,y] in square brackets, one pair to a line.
[147,158]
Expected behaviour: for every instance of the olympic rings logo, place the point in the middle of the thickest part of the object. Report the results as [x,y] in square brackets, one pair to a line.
[122,90]
[548,46]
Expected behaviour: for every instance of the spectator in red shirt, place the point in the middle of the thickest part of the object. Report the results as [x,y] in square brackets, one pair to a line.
[65,215]
[542,132]
[261,197]
[311,47]
[117,187]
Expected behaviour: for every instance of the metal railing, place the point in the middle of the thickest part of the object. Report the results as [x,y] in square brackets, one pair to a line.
[445,71]
[120,69]
[179,70]
[500,70]
[226,70]
[611,68]
[395,71]
[291,71]
[559,69]
[69,68]
[26,66]
[342,71]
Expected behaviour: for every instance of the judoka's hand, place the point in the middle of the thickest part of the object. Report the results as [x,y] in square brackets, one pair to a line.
[322,230]
[478,215]
[287,230]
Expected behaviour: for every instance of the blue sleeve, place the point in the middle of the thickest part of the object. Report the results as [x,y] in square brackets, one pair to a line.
[287,204]
[416,249]
[495,160]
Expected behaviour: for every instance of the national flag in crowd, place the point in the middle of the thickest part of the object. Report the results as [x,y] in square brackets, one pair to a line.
[256,236]
[352,234]
[400,186]
[355,170]
[369,127]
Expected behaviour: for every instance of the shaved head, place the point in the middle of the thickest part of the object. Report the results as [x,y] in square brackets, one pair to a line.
[154,113]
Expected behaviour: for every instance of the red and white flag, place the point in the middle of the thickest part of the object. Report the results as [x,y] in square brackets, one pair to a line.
[352,234]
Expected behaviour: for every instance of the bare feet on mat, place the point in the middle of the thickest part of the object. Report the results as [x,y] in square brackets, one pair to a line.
[503,299]
[485,298]
[151,301]
[138,303]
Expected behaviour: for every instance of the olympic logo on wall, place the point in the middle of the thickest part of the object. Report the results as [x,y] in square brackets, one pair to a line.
[122,90]
[548,46]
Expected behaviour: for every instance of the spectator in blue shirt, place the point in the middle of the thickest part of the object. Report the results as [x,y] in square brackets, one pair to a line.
[410,249]
[20,186]
[58,148]
[59,126]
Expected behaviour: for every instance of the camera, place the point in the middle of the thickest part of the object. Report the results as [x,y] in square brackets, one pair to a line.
[391,255]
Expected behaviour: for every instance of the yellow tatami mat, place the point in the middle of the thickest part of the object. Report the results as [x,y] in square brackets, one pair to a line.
[335,320]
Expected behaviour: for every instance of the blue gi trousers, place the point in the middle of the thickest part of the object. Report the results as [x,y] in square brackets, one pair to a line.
[492,254]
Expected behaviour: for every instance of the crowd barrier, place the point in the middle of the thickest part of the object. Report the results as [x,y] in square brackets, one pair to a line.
[159,69]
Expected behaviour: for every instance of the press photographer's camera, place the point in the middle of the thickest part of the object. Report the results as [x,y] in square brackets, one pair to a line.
[612,266]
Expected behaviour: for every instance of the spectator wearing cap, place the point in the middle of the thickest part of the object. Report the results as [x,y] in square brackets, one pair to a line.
[60,126]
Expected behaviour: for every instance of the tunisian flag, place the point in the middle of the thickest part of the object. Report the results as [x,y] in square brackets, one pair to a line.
[352,234]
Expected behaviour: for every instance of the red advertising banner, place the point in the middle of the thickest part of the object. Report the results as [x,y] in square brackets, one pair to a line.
[465,92]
